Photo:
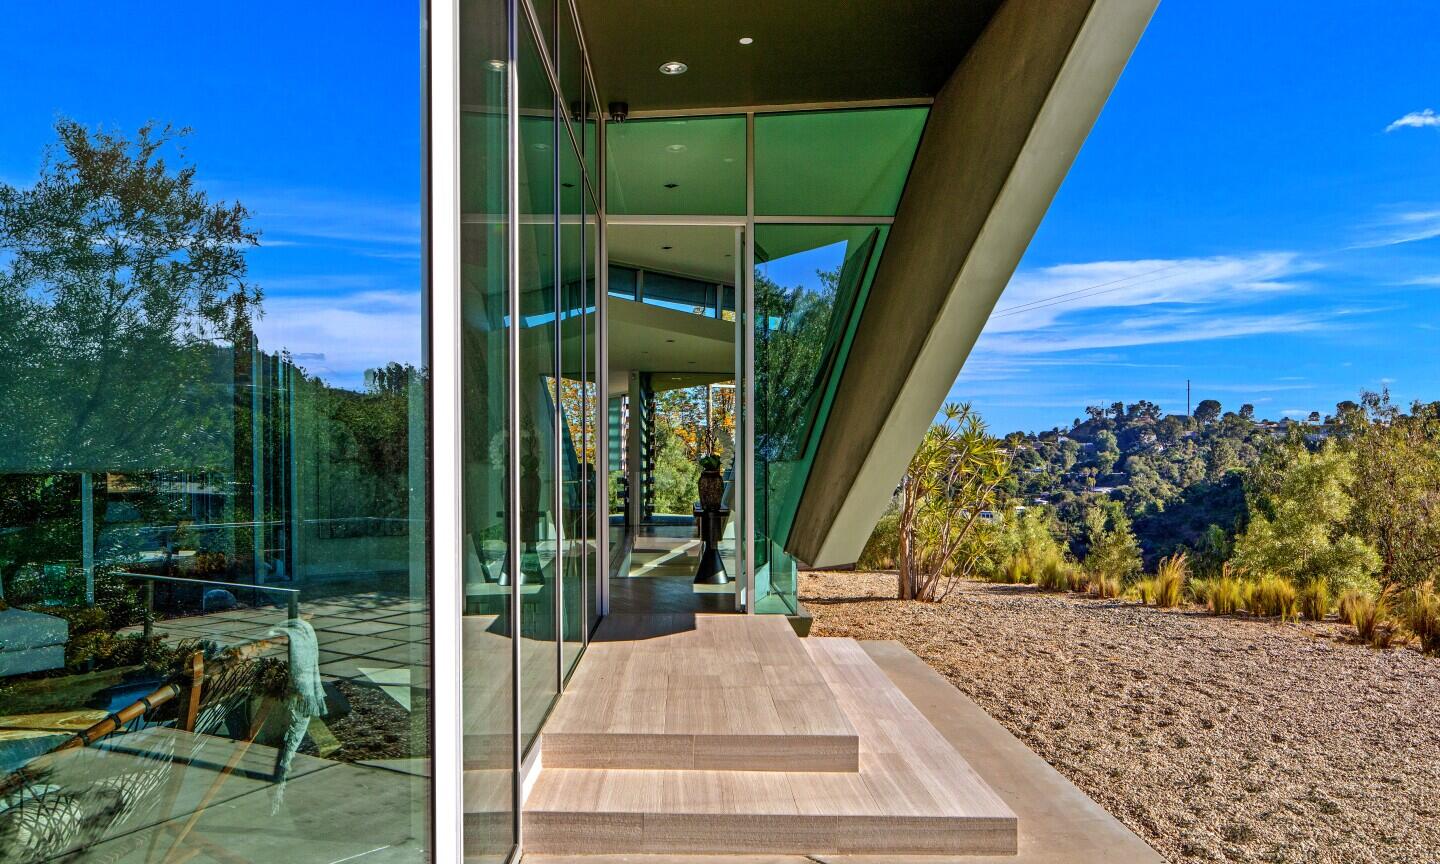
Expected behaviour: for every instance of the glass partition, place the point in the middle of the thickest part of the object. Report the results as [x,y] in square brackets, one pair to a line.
[536,570]
[488,626]
[574,305]
[834,163]
[692,166]
[811,283]
[214,533]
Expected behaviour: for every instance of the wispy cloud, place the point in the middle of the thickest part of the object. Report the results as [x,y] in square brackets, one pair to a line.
[338,337]
[1108,305]
[1416,120]
[309,217]
[1039,298]
[1406,226]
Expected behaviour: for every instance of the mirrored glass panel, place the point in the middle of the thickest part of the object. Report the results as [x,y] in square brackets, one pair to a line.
[685,165]
[214,537]
[539,430]
[488,626]
[834,163]
[811,283]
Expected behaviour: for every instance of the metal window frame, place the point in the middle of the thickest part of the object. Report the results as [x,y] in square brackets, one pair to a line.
[441,228]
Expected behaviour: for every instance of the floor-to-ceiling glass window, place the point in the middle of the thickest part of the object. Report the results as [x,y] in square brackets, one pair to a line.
[488,626]
[538,437]
[811,283]
[810,287]
[214,537]
[529,360]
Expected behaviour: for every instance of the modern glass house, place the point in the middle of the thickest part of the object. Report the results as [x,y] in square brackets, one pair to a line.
[418,569]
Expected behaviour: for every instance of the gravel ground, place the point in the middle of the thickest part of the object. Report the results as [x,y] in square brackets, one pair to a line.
[1214,738]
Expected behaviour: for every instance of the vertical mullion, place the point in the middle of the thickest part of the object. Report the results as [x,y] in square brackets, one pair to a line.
[512,384]
[441,137]
[602,374]
[748,369]
[557,420]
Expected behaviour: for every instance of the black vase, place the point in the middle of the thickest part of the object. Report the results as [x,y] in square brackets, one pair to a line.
[712,489]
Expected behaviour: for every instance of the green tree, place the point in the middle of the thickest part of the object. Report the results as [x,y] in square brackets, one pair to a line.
[951,481]
[1300,519]
[1207,411]
[1113,551]
[118,276]
[1396,486]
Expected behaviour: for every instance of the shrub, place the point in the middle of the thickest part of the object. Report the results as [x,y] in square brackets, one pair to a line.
[1422,615]
[1349,605]
[1106,587]
[1272,597]
[1315,600]
[1146,590]
[883,547]
[1226,595]
[1169,582]
[1054,574]
[1370,616]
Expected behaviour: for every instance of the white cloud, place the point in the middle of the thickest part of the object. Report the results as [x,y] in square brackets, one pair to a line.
[1404,227]
[339,336]
[1416,120]
[1039,298]
[1106,305]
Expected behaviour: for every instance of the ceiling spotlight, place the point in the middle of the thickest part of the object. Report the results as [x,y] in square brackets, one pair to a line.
[746,40]
[675,148]
[673,67]
[496,65]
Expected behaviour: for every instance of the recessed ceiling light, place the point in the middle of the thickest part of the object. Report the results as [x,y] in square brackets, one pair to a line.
[568,185]
[675,148]
[496,65]
[746,40]
[672,185]
[729,159]
[669,340]
[673,67]
[667,248]
[541,145]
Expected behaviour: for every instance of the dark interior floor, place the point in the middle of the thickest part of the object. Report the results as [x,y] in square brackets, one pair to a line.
[661,574]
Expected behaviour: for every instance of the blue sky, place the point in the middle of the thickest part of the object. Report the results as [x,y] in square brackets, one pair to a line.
[1240,215]
[1244,215]
[308,113]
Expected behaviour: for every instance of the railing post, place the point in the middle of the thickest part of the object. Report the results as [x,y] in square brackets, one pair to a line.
[149,607]
[294,607]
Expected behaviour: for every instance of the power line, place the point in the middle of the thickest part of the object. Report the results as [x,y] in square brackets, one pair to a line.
[1020,306]
[1052,301]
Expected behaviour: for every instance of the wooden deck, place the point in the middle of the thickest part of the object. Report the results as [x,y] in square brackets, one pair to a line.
[749,696]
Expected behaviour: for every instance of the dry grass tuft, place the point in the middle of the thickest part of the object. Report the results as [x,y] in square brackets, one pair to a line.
[1170,576]
[1272,597]
[1422,616]
[1370,616]
[1106,587]
[1315,600]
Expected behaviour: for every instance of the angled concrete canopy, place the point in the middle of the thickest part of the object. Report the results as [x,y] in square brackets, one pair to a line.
[1001,135]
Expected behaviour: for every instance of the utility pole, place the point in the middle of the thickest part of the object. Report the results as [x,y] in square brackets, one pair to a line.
[1187,399]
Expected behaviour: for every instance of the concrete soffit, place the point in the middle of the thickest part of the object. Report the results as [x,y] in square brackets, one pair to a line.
[869,454]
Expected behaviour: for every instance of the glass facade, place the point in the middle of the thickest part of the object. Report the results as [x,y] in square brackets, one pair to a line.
[811,282]
[214,530]
[217,557]
[529,353]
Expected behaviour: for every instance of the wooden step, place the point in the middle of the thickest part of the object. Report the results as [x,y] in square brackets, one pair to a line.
[708,692]
[912,793]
